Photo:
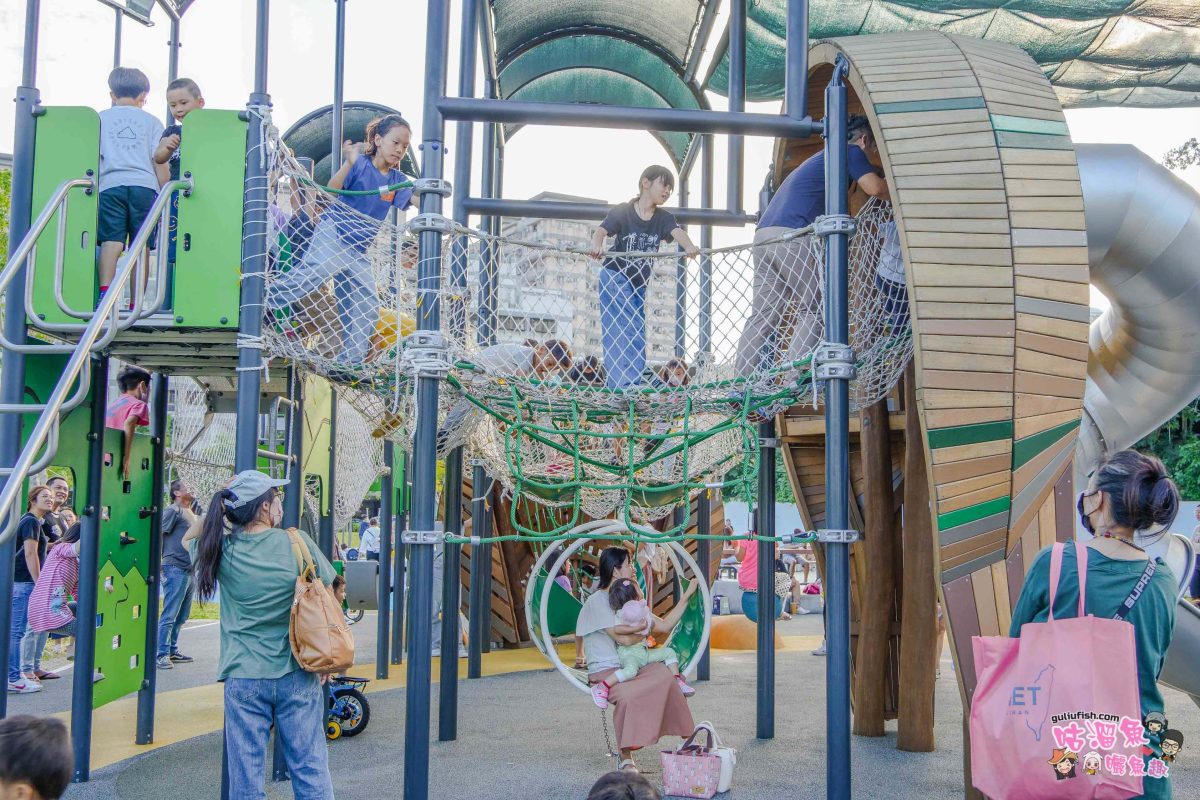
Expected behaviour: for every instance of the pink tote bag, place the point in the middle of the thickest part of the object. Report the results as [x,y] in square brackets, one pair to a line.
[1056,713]
[693,770]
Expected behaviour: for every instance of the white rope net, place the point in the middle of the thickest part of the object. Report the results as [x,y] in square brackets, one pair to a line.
[617,378]
[202,448]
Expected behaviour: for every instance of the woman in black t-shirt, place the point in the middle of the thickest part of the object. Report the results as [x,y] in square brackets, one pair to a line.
[637,226]
[31,550]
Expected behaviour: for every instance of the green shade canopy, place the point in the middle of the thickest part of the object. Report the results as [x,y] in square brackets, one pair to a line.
[1095,52]
[611,52]
[312,136]
[593,68]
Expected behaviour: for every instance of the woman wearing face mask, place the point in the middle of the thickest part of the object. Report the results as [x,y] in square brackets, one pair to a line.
[242,548]
[1128,505]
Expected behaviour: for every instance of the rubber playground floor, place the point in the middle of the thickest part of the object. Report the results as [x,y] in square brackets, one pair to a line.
[525,733]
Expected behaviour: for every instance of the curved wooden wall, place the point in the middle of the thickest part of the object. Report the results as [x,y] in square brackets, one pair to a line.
[990,213]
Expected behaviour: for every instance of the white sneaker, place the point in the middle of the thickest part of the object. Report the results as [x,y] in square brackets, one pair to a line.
[23,687]
[822,650]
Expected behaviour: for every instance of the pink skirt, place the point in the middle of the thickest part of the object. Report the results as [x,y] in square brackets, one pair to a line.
[648,707]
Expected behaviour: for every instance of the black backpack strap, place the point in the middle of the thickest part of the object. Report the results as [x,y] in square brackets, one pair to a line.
[1138,588]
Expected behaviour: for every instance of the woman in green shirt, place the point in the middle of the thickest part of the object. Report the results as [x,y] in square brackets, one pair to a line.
[243,549]
[1128,505]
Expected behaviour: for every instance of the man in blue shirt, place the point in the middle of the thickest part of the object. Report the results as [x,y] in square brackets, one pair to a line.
[787,274]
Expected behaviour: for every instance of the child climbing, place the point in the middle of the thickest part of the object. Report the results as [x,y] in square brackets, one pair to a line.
[634,623]
[637,226]
[345,231]
[129,411]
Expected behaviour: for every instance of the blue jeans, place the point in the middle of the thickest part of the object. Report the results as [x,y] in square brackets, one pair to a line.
[295,704]
[16,627]
[622,329]
[750,606]
[177,607]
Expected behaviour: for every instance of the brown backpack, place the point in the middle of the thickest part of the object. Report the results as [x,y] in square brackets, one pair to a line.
[321,641]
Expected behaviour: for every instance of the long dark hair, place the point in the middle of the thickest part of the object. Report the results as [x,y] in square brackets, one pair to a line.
[212,536]
[1139,490]
[611,560]
[71,536]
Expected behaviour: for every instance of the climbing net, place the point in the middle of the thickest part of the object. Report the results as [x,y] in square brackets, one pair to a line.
[202,448]
[599,386]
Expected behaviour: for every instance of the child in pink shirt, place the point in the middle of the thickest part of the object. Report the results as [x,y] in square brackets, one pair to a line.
[129,410]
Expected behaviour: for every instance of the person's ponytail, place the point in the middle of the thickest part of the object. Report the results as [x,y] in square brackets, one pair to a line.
[209,545]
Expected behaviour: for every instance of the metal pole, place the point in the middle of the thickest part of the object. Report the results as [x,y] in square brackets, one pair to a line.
[452,553]
[398,567]
[158,432]
[117,39]
[89,576]
[387,496]
[493,269]
[293,498]
[339,80]
[325,534]
[766,581]
[837,451]
[704,505]
[173,55]
[254,269]
[451,561]
[422,537]
[681,266]
[12,389]
[254,257]
[481,525]
[737,99]
[795,74]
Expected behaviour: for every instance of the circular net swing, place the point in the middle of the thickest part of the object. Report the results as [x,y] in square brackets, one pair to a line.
[616,387]
[551,611]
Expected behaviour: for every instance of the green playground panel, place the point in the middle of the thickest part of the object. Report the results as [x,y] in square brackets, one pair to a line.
[317,404]
[120,613]
[120,632]
[67,146]
[208,249]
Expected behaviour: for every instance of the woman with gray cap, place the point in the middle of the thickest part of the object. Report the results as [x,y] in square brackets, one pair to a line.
[243,549]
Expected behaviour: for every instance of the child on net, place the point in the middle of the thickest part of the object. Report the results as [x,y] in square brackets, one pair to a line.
[633,624]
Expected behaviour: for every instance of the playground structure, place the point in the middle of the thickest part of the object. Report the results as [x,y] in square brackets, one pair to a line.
[999,216]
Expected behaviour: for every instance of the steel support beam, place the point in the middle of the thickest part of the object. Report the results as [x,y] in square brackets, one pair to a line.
[630,117]
[254,256]
[293,498]
[399,556]
[339,83]
[325,534]
[159,384]
[416,719]
[89,571]
[560,209]
[837,450]
[12,389]
[795,73]
[737,101]
[765,526]
[387,512]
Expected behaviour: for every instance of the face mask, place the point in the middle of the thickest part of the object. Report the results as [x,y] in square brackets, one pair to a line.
[1084,517]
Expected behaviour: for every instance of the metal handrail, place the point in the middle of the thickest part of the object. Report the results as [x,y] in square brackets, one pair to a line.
[158,216]
[47,424]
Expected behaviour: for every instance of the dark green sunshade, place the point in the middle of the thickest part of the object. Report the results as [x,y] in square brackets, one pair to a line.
[312,136]
[1095,52]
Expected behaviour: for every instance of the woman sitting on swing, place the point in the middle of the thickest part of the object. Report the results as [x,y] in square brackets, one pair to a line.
[650,705]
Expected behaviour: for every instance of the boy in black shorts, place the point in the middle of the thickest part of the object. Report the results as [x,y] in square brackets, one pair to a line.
[129,179]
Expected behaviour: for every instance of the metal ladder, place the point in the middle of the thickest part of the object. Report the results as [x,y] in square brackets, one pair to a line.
[98,330]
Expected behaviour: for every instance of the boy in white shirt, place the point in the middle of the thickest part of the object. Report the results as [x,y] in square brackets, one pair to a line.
[129,178]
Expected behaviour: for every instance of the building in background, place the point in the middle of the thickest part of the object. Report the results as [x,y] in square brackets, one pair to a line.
[549,295]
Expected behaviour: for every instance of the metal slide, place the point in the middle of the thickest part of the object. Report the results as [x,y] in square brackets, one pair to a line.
[1143,227]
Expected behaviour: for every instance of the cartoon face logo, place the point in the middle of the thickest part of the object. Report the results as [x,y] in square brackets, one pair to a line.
[1063,762]
[1155,722]
[1091,763]
[1172,743]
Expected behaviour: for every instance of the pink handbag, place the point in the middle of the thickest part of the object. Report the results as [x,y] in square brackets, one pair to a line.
[693,770]
[1056,713]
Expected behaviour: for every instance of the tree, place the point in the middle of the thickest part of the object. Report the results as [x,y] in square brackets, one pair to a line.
[1184,156]
[783,488]
[1186,471]
[5,199]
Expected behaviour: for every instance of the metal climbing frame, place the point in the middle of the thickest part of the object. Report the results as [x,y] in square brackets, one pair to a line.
[439,108]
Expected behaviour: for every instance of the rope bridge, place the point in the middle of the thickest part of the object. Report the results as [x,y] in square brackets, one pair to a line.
[595,387]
